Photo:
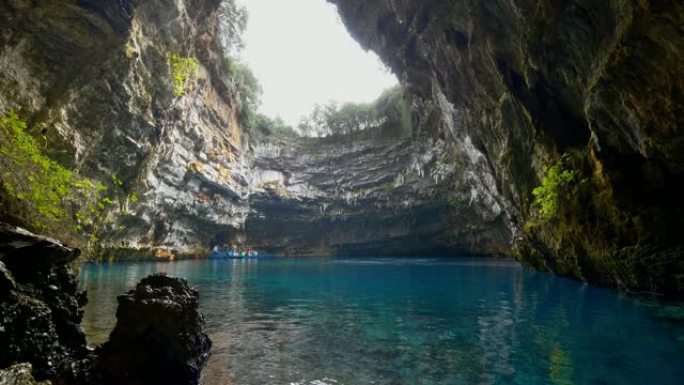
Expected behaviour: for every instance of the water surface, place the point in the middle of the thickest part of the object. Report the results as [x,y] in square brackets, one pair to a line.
[408,322]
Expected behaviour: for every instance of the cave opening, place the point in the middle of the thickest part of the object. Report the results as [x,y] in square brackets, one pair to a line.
[300,72]
[332,134]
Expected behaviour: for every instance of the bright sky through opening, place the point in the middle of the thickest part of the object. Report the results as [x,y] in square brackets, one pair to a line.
[303,55]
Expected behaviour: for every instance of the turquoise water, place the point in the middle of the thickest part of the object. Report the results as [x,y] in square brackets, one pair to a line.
[408,321]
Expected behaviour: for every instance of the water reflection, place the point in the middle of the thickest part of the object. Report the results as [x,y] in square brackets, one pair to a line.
[407,322]
[561,367]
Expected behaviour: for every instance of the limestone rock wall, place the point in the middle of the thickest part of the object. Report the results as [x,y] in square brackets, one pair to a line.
[92,77]
[371,197]
[529,81]
[502,90]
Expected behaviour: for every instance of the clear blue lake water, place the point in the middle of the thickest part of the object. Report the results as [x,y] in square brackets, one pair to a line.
[408,322]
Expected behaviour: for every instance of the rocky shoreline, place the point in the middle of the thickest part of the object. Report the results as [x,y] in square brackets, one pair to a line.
[159,337]
[134,254]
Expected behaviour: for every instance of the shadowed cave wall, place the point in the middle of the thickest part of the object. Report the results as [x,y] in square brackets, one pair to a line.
[501,92]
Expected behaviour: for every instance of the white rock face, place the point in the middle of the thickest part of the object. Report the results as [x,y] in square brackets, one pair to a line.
[189,176]
[477,175]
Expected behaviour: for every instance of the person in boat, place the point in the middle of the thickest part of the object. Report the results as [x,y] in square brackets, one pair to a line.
[215,249]
[249,251]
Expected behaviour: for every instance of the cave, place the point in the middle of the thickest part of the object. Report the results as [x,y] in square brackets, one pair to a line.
[510,212]
[493,106]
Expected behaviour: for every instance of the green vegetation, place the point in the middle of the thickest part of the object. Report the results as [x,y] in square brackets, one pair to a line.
[116,180]
[233,21]
[182,69]
[133,197]
[31,179]
[266,126]
[89,216]
[249,91]
[556,180]
[41,194]
[455,202]
[389,115]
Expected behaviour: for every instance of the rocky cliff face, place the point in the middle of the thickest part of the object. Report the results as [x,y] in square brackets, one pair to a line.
[93,77]
[337,196]
[582,98]
[529,81]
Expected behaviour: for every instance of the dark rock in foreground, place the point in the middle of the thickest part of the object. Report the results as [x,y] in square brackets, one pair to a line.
[40,304]
[159,337]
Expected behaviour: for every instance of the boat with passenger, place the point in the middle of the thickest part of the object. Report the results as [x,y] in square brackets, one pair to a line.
[217,252]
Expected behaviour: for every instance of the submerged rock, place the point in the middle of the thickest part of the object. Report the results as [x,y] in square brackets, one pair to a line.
[159,336]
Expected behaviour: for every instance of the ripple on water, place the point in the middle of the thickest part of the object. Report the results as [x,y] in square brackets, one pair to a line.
[424,321]
[324,381]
